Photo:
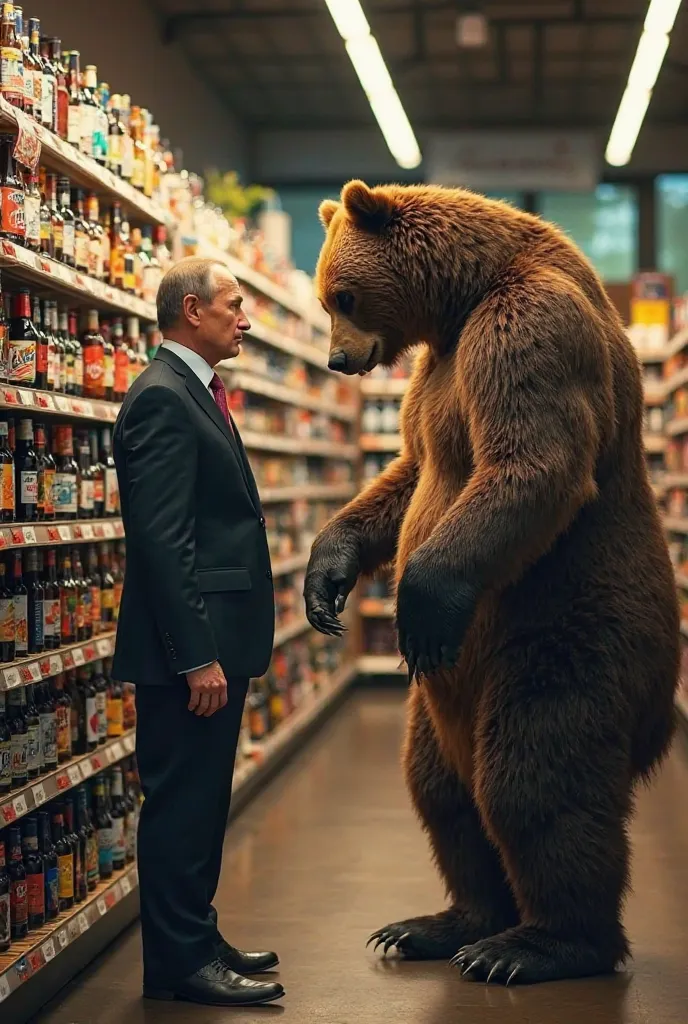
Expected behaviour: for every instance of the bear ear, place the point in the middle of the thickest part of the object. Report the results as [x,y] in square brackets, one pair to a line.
[370,208]
[327,210]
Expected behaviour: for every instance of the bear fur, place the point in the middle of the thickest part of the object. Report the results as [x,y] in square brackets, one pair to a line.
[536,603]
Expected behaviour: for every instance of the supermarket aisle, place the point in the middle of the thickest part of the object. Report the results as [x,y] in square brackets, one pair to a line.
[331,851]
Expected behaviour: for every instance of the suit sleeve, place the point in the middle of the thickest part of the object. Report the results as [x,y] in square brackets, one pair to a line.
[161,457]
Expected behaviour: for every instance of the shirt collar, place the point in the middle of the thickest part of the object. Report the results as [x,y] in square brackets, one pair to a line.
[203,370]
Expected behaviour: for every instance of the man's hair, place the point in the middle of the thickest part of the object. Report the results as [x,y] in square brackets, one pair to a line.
[190,276]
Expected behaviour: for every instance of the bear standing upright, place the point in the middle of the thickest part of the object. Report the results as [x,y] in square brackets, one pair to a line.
[536,604]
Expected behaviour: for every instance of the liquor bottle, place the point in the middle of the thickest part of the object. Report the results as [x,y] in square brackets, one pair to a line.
[32,212]
[62,96]
[35,877]
[42,349]
[86,474]
[139,159]
[46,476]
[67,214]
[4,339]
[101,688]
[109,374]
[41,49]
[21,609]
[47,714]
[28,69]
[7,489]
[23,341]
[127,141]
[103,826]
[19,908]
[117,579]
[133,342]
[36,603]
[69,386]
[98,478]
[96,232]
[63,708]
[117,248]
[81,232]
[111,485]
[7,646]
[107,589]
[84,624]
[88,834]
[51,604]
[33,726]
[46,241]
[20,737]
[12,216]
[50,867]
[106,242]
[26,473]
[152,272]
[78,353]
[132,805]
[88,690]
[102,124]
[96,584]
[89,112]
[94,358]
[66,475]
[119,815]
[5,908]
[56,218]
[5,749]
[67,602]
[75,132]
[160,248]
[129,260]
[76,712]
[12,66]
[121,382]
[115,136]
[53,352]
[115,709]
[65,862]
[78,844]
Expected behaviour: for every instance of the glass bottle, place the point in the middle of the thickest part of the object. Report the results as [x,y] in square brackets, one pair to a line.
[107,584]
[100,684]
[20,737]
[95,263]
[5,749]
[36,603]
[86,473]
[51,603]
[111,484]
[88,690]
[87,831]
[46,475]
[68,221]
[69,354]
[12,66]
[41,49]
[63,707]
[65,862]
[19,906]
[53,352]
[21,609]
[94,358]
[67,602]
[82,238]
[26,473]
[46,230]
[47,713]
[98,477]
[103,824]
[115,710]
[7,645]
[121,357]
[62,98]
[75,131]
[56,218]
[5,902]
[129,261]
[42,349]
[28,69]
[96,592]
[7,488]
[117,248]
[66,475]
[78,354]
[32,211]
[78,845]
[109,373]
[84,625]
[118,813]
[33,725]
[35,879]
[50,867]
[4,339]
[89,112]
[12,217]
[23,341]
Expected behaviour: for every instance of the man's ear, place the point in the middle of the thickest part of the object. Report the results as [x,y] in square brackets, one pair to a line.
[327,210]
[369,208]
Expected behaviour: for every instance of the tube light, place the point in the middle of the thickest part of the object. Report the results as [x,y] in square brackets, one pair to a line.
[368,63]
[647,63]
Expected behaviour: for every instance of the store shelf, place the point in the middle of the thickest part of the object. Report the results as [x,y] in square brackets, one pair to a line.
[380,442]
[675,344]
[381,388]
[290,632]
[49,403]
[675,480]
[676,381]
[27,535]
[307,492]
[676,524]
[283,566]
[681,579]
[682,705]
[299,446]
[49,664]
[39,791]
[27,957]
[684,629]
[653,355]
[49,275]
[295,347]
[257,385]
[654,444]
[60,156]
[375,607]
[381,665]
[654,394]
[677,426]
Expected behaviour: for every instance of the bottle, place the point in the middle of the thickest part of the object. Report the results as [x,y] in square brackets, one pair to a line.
[119,814]
[53,353]
[84,625]
[96,584]
[106,240]
[46,229]
[41,48]
[19,907]
[133,342]
[5,901]
[35,602]
[60,370]
[68,222]
[115,710]
[56,218]
[151,272]
[87,831]
[107,589]
[100,686]
[47,714]
[76,133]
[81,233]
[63,707]
[109,373]
[98,478]
[20,737]
[21,609]
[62,95]
[88,690]
[46,476]
[66,475]
[12,66]
[26,473]
[50,867]
[67,602]
[78,845]
[78,354]
[117,248]
[69,386]
[42,350]
[89,112]
[7,646]
[111,485]
[116,133]
[86,473]
[32,212]
[33,726]
[65,862]
[23,341]
[12,215]
[100,140]
[94,358]
[76,713]
[26,64]
[7,491]
[127,141]
[5,749]
[121,381]
[160,248]
[4,339]
[35,878]
[129,261]
[51,603]
[95,261]
[131,820]
[117,579]
[103,825]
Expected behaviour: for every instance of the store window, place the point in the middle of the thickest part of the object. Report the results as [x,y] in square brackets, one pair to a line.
[604,223]
[671,206]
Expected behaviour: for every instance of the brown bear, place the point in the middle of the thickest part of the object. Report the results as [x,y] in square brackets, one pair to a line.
[536,604]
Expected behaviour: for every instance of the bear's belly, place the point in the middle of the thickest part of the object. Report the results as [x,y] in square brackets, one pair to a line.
[432,498]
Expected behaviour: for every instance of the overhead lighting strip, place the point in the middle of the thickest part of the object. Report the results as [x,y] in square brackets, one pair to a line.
[368,63]
[646,66]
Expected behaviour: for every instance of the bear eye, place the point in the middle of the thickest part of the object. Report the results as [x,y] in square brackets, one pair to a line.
[345,302]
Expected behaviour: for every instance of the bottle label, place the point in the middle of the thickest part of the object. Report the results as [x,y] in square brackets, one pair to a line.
[52,892]
[29,90]
[99,490]
[87,125]
[20,755]
[74,124]
[49,496]
[81,249]
[11,73]
[12,216]
[38,617]
[7,487]
[119,849]
[58,237]
[86,496]
[67,613]
[49,737]
[5,764]
[65,867]
[111,492]
[21,625]
[51,617]
[5,918]
[68,240]
[115,152]
[109,371]
[115,717]
[28,487]
[7,620]
[92,871]
[121,371]
[95,606]
[93,256]
[48,101]
[105,849]
[21,364]
[42,359]
[19,903]
[107,600]
[65,491]
[34,747]
[46,232]
[35,891]
[131,835]
[32,219]
[64,732]
[91,720]
[127,157]
[79,371]
[94,369]
[101,705]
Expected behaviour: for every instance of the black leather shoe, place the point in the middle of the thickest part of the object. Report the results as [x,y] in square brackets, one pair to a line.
[246,963]
[217,985]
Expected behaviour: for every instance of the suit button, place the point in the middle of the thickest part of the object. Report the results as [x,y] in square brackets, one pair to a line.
[262,522]
[268,574]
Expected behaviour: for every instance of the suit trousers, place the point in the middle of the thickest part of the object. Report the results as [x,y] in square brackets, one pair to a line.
[185,763]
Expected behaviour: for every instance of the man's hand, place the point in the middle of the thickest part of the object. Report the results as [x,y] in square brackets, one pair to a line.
[331,575]
[208,689]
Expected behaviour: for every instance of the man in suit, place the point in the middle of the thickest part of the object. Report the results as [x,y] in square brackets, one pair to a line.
[196,621]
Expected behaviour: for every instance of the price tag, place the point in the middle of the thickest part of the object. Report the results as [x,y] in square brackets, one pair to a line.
[62,403]
[3,539]
[74,774]
[4,988]
[19,804]
[86,769]
[48,950]
[17,535]
[39,796]
[9,395]
[26,397]
[88,409]
[102,906]
[78,656]
[8,814]
[129,743]
[64,532]
[90,653]
[12,677]
[87,531]
[103,647]
[126,886]
[108,530]
[82,921]
[45,401]
[25,673]
[97,763]
[62,781]
[98,529]
[117,752]
[67,660]
[110,754]
[62,938]
[53,534]
[29,535]
[35,670]
[55,664]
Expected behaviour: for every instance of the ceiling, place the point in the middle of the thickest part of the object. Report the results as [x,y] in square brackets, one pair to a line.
[548,63]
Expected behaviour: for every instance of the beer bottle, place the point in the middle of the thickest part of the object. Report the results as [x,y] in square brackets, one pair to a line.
[87,830]
[19,907]
[94,358]
[63,706]
[33,728]
[35,876]
[5,909]
[47,714]
[78,849]
[12,66]
[67,214]
[7,493]
[115,709]
[66,475]
[23,341]
[51,605]
[103,824]
[100,684]
[5,749]
[65,862]
[46,475]
[50,867]
[7,645]
[26,473]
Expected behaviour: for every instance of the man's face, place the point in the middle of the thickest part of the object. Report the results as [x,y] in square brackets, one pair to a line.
[222,321]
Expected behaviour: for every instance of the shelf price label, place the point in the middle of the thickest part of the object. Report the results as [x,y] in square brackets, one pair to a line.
[12,677]
[86,769]
[129,743]
[126,886]
[17,535]
[78,655]
[74,774]
[55,664]
[102,906]
[19,804]
[29,535]
[35,671]
[63,779]
[62,403]
[26,397]
[62,938]
[39,796]
[82,921]
[64,532]
[87,531]
[8,814]
[117,752]
[48,950]
[4,987]
[103,648]
[108,530]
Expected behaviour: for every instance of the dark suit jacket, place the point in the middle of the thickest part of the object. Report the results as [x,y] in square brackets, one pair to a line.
[198,584]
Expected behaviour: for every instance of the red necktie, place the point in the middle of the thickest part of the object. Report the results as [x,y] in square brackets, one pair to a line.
[220,395]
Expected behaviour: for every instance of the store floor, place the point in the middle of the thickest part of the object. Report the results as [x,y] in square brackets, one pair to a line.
[331,851]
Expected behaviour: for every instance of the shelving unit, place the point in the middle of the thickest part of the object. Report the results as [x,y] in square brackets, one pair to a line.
[29,535]
[44,666]
[49,403]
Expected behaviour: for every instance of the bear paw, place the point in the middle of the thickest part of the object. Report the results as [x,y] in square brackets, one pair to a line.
[434,937]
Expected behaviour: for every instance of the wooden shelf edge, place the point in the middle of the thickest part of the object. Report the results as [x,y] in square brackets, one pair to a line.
[44,666]
[381,665]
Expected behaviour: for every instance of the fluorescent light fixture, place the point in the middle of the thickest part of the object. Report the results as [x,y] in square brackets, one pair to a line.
[369,65]
[652,47]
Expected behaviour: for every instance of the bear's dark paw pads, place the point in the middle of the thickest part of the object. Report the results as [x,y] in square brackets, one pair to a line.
[412,939]
[527,956]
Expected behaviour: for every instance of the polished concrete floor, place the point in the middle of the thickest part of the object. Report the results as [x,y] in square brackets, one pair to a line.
[330,851]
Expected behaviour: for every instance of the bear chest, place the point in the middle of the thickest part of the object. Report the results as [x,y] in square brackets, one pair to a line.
[446,449]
